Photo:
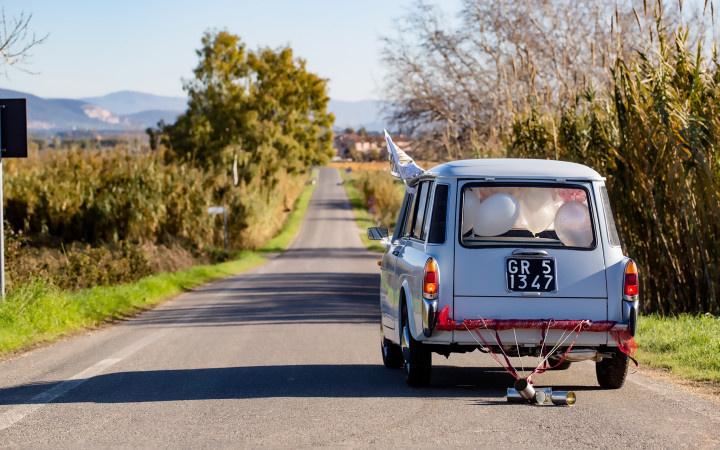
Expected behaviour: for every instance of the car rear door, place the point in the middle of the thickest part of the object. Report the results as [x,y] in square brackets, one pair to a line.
[481,284]
[388,270]
[411,255]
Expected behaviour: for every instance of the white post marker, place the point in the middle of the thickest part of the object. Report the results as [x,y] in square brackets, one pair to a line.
[13,144]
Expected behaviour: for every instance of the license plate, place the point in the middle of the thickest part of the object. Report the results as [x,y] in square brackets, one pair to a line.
[530,274]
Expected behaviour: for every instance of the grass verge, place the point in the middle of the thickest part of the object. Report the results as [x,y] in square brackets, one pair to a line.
[687,345]
[38,312]
[362,216]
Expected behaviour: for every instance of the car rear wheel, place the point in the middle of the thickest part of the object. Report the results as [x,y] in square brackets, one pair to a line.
[391,354]
[611,372]
[417,358]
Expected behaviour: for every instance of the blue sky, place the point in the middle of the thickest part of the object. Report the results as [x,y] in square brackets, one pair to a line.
[98,46]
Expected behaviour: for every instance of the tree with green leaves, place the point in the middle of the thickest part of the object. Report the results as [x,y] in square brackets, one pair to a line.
[263,108]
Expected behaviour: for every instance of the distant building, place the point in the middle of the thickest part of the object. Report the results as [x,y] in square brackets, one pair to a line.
[367,146]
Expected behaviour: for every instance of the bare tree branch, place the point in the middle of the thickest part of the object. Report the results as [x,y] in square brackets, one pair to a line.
[462,84]
[17,39]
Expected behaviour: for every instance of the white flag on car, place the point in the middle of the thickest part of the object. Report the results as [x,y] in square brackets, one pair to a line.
[402,165]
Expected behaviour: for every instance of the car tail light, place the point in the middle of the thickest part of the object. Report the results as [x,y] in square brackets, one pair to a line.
[631,287]
[431,279]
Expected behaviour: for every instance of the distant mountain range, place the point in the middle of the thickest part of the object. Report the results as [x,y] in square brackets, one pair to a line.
[119,111]
[131,102]
[135,111]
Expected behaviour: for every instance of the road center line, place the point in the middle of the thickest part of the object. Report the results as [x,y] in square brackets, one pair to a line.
[19,412]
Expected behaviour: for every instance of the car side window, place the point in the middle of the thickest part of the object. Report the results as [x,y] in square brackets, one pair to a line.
[402,217]
[439,215]
[409,215]
[420,208]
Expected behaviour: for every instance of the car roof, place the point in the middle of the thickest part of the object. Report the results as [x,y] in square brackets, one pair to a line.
[515,168]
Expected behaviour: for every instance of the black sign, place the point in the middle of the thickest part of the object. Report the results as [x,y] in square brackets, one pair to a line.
[13,128]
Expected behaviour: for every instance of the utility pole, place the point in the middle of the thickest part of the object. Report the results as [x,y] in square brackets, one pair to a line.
[2,212]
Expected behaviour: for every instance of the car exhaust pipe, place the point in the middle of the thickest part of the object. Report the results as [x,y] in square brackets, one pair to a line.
[581,354]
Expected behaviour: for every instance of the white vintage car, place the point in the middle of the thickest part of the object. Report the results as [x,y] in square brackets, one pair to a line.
[514,257]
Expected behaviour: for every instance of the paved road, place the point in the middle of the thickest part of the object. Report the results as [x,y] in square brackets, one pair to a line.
[288,356]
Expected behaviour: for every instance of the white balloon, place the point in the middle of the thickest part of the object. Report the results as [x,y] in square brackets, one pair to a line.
[496,215]
[538,208]
[572,225]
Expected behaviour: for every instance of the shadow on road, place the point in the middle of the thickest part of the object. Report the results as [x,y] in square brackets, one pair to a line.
[275,299]
[331,381]
[330,253]
[331,204]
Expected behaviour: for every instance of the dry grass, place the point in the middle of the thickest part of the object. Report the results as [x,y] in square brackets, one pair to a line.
[381,166]
[360,165]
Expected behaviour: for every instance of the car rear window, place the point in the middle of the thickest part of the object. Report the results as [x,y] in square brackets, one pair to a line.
[526,215]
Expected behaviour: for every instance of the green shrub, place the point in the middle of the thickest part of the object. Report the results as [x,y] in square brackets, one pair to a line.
[106,196]
[83,218]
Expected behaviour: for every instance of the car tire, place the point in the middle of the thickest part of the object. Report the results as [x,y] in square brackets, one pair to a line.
[417,359]
[391,354]
[611,372]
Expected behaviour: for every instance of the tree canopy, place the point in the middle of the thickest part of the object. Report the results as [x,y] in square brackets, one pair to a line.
[262,107]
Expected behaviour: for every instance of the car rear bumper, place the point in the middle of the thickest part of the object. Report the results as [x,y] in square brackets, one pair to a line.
[541,308]
[532,338]
[527,332]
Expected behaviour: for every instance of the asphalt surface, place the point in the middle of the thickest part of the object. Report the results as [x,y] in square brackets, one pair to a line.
[288,356]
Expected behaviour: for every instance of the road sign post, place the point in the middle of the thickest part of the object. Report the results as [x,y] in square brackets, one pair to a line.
[13,144]
[214,210]
[2,217]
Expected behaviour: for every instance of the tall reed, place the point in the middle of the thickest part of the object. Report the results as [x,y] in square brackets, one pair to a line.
[655,135]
